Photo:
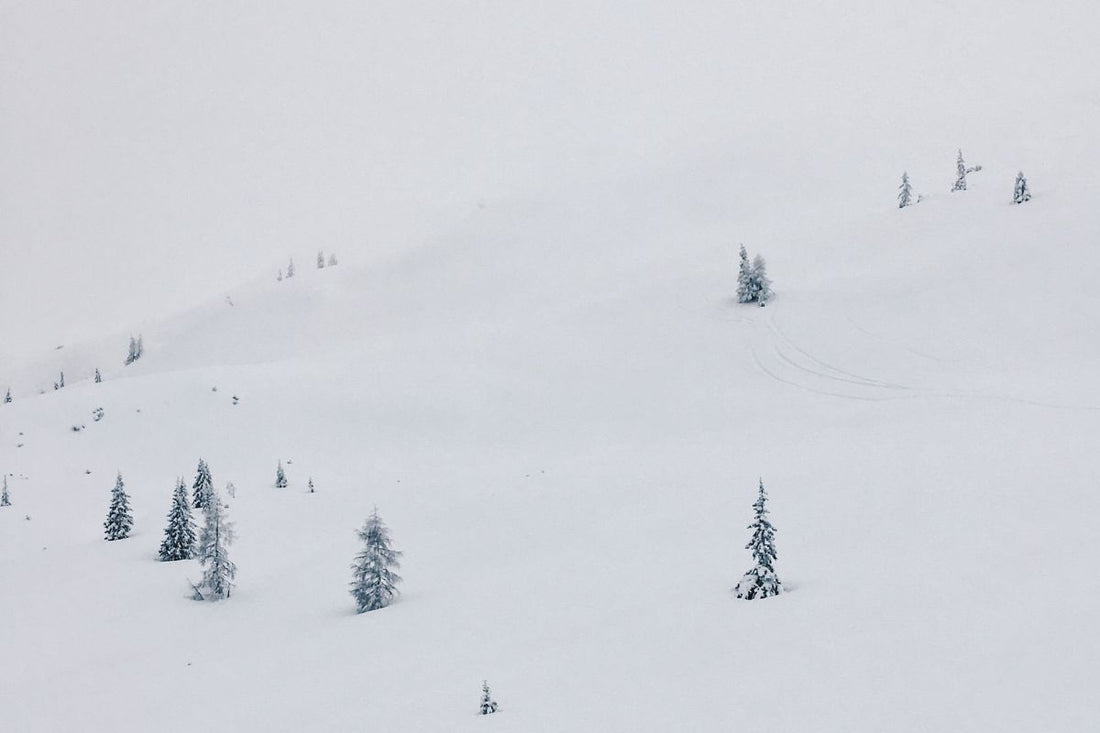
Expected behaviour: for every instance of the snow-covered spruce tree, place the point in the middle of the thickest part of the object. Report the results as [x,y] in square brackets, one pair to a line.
[905,192]
[759,285]
[5,498]
[744,272]
[320,260]
[179,535]
[961,172]
[119,517]
[7,396]
[290,268]
[310,485]
[488,704]
[332,260]
[131,353]
[140,347]
[1021,194]
[203,486]
[60,382]
[761,581]
[374,583]
[98,377]
[213,552]
[280,276]
[280,477]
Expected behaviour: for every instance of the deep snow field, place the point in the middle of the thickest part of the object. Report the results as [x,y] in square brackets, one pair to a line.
[533,365]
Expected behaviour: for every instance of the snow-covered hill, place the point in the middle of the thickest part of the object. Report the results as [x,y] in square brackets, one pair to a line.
[562,414]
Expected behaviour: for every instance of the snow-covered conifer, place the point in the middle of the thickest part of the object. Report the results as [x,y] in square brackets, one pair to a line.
[213,551]
[140,346]
[7,396]
[98,376]
[280,477]
[60,382]
[290,268]
[5,498]
[203,486]
[744,273]
[760,287]
[488,704]
[280,276]
[332,260]
[761,581]
[961,171]
[374,582]
[320,260]
[905,192]
[179,535]
[1021,194]
[310,485]
[131,353]
[119,517]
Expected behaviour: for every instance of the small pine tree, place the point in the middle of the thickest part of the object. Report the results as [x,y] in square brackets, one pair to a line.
[1021,193]
[310,485]
[961,172]
[98,377]
[760,287]
[7,396]
[179,535]
[60,382]
[213,553]
[488,704]
[5,498]
[320,260]
[131,353]
[280,277]
[280,477]
[761,581]
[203,486]
[374,582]
[744,273]
[290,268]
[119,517]
[140,347]
[905,192]
[332,260]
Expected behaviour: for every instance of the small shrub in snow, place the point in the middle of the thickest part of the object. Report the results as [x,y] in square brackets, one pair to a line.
[98,377]
[332,260]
[761,581]
[119,517]
[219,571]
[280,276]
[203,486]
[1020,194]
[310,485]
[320,260]
[97,414]
[280,477]
[374,582]
[5,498]
[290,268]
[7,396]
[905,192]
[179,535]
[488,704]
[961,171]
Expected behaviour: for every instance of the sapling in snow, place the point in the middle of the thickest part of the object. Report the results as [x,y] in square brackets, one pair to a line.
[320,260]
[5,498]
[179,535]
[280,477]
[1021,194]
[119,517]
[744,274]
[488,704]
[374,582]
[905,192]
[961,171]
[290,268]
[761,581]
[98,377]
[217,534]
[7,396]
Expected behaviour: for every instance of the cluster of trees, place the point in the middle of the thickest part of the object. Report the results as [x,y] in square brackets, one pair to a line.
[1020,193]
[321,264]
[753,285]
[135,352]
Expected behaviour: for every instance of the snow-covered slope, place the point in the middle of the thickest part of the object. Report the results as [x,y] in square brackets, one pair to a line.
[562,414]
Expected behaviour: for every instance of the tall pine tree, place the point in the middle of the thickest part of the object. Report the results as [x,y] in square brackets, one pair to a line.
[744,277]
[374,583]
[219,571]
[179,535]
[761,581]
[119,517]
[203,486]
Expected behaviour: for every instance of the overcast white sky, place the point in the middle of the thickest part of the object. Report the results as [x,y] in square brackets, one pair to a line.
[155,154]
